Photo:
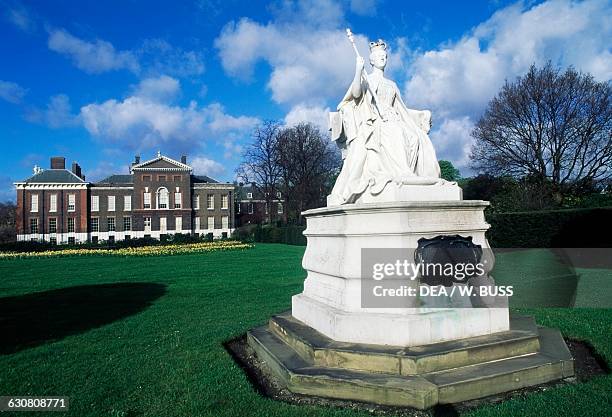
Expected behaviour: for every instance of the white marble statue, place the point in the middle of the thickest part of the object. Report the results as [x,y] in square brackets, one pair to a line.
[384,144]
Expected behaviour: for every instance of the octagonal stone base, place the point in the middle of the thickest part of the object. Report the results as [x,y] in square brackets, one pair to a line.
[307,362]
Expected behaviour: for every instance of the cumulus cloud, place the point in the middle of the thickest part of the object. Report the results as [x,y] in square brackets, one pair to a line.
[11,92]
[141,123]
[158,88]
[205,166]
[92,57]
[316,115]
[457,80]
[57,114]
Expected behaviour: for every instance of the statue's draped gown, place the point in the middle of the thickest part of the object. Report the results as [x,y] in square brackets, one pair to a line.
[378,152]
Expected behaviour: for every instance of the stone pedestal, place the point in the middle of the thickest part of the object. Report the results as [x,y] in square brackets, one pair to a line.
[330,345]
[331,300]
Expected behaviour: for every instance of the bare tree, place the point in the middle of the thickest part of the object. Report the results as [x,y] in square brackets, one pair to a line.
[552,126]
[260,162]
[307,162]
[7,222]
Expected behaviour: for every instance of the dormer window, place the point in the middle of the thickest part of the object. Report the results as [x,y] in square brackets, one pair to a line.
[249,195]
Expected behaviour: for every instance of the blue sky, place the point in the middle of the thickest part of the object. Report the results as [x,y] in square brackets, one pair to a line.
[98,82]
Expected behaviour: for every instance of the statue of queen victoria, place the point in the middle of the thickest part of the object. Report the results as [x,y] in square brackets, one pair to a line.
[384,144]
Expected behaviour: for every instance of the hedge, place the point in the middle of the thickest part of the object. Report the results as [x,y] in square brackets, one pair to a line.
[577,228]
[574,228]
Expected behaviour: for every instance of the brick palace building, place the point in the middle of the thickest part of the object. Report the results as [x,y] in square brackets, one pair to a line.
[158,197]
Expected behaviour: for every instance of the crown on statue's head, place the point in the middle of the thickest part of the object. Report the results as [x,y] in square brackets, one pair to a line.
[378,45]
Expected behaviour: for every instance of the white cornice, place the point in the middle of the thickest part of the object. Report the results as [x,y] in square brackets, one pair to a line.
[49,185]
[180,165]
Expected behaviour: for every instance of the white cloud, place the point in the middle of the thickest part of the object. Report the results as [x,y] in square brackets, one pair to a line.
[364,7]
[141,123]
[11,92]
[158,88]
[204,166]
[319,116]
[158,56]
[20,17]
[311,59]
[57,114]
[457,80]
[92,57]
[452,140]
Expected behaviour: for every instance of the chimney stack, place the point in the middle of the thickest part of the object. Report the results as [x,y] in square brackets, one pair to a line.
[184,159]
[58,162]
[136,159]
[76,170]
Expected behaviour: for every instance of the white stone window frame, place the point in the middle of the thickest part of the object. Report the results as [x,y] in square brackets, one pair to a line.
[111,200]
[71,203]
[34,203]
[127,203]
[224,201]
[210,201]
[95,203]
[162,197]
[52,203]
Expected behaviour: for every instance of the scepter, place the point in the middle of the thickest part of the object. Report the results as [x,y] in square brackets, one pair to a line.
[352,39]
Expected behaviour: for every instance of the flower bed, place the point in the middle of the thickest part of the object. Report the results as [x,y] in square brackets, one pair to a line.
[177,249]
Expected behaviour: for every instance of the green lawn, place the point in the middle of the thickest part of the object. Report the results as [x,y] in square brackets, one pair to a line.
[150,342]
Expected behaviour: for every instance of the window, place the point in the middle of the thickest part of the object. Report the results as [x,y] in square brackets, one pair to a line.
[225,222]
[278,194]
[224,201]
[197,223]
[95,203]
[211,222]
[110,224]
[238,208]
[53,202]
[250,208]
[178,223]
[196,202]
[33,226]
[127,224]
[70,224]
[146,200]
[162,198]
[147,224]
[71,240]
[210,202]
[111,239]
[53,240]
[127,203]
[146,178]
[52,225]
[111,203]
[177,178]
[94,239]
[34,203]
[161,178]
[163,224]
[178,199]
[249,195]
[94,224]
[71,202]
[280,208]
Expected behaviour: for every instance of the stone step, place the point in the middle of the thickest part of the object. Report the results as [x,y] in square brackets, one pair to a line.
[314,347]
[419,391]
[553,362]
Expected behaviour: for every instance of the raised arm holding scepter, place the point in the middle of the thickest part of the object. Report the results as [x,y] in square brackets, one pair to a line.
[356,88]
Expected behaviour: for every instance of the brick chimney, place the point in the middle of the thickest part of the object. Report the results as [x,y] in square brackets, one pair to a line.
[136,159]
[58,162]
[184,159]
[76,170]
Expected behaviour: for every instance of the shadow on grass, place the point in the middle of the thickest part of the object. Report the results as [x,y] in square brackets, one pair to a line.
[38,318]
